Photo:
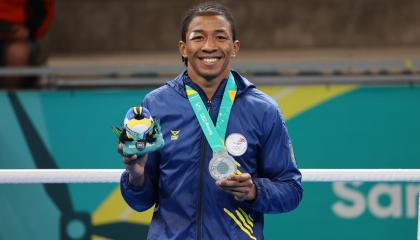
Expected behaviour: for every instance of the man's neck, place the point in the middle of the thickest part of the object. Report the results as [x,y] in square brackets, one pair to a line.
[209,86]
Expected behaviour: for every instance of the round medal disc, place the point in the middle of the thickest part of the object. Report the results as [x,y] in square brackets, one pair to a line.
[222,165]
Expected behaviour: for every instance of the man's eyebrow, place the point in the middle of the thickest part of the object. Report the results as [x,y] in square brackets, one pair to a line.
[221,31]
[197,31]
[202,31]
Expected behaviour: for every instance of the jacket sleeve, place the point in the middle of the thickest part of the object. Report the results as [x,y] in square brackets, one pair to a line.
[144,197]
[278,182]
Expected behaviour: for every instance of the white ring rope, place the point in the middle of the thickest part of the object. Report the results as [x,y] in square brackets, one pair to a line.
[113,175]
[361,175]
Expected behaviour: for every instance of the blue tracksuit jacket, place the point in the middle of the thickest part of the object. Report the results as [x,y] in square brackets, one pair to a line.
[189,205]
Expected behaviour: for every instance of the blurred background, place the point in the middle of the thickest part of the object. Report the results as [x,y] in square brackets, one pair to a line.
[345,73]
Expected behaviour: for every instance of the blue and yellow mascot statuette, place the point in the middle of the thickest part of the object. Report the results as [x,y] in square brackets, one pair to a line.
[141,134]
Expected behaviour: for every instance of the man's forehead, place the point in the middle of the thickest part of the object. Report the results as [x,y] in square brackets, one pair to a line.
[209,23]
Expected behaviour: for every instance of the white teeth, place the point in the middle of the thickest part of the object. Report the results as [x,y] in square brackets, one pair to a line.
[210,60]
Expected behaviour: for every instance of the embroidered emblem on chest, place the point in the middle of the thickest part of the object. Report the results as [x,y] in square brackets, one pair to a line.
[175,134]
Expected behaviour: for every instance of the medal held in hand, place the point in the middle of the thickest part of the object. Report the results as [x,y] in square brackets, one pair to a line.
[222,164]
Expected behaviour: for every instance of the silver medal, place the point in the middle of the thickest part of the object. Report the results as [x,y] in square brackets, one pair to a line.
[222,165]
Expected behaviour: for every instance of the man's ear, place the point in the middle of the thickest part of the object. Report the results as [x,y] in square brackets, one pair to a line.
[182,49]
[236,47]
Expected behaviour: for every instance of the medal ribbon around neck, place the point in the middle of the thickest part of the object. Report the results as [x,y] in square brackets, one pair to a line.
[214,135]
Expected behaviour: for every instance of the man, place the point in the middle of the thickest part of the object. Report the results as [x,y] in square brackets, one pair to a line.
[190,203]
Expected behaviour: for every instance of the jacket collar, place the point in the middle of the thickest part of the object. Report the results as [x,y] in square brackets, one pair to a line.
[178,83]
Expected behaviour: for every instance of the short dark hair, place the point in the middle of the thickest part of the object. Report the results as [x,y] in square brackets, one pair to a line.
[206,9]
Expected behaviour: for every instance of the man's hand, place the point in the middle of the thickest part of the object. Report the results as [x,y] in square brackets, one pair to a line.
[240,186]
[135,167]
[135,143]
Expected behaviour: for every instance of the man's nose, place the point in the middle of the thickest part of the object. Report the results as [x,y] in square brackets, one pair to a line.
[209,45]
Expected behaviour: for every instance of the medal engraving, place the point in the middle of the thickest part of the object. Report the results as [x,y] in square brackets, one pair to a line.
[222,165]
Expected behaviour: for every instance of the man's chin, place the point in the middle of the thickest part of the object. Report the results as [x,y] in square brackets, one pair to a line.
[211,75]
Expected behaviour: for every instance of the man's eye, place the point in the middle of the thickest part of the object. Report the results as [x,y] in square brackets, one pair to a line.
[221,37]
[197,38]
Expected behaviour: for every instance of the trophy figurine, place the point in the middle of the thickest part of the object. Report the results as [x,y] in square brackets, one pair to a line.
[141,134]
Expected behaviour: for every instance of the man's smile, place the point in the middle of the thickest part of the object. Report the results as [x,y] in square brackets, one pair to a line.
[210,60]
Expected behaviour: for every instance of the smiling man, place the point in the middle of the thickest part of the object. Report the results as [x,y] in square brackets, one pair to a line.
[230,160]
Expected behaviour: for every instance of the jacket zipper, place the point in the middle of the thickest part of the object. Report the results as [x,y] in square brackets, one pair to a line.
[200,190]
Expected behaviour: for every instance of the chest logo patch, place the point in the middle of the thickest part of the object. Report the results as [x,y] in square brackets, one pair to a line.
[236,144]
[175,134]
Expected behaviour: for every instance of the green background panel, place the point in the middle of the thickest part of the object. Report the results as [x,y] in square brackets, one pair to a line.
[370,127]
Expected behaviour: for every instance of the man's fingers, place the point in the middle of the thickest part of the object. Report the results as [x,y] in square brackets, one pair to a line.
[237,190]
[129,159]
[234,181]
[120,148]
[235,186]
[240,178]
[126,160]
[240,186]
[230,184]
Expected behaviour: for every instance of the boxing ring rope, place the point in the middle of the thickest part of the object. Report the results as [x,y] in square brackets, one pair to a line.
[113,175]
[8,176]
